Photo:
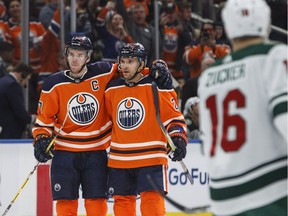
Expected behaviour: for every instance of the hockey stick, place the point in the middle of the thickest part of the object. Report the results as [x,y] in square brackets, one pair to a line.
[22,186]
[35,167]
[53,140]
[163,129]
[182,208]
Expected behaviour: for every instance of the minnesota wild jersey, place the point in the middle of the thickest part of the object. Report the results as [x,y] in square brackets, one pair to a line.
[243,118]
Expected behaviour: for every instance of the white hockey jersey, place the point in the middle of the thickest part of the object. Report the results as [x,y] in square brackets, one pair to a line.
[243,118]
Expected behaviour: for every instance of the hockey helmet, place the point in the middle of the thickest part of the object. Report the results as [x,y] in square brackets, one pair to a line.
[246,18]
[80,43]
[134,50]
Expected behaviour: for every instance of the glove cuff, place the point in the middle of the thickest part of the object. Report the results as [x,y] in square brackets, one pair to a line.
[180,135]
[40,136]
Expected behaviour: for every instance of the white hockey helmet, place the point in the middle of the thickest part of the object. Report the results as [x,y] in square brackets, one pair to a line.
[246,18]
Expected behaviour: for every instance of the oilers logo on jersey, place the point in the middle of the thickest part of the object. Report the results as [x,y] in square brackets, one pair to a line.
[83,108]
[130,113]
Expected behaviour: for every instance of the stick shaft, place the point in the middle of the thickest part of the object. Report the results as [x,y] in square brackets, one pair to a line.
[164,131]
[35,167]
[20,189]
[53,140]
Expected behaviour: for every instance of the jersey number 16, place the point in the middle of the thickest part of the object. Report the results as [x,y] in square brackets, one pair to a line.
[235,121]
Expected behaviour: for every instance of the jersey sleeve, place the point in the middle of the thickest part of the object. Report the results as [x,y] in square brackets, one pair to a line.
[275,78]
[48,108]
[192,54]
[169,110]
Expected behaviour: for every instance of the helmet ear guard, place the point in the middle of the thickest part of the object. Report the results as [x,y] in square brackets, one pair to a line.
[246,18]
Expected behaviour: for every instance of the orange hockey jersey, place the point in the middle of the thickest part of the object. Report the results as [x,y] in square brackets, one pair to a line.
[193,56]
[51,47]
[170,49]
[137,140]
[36,33]
[5,33]
[87,126]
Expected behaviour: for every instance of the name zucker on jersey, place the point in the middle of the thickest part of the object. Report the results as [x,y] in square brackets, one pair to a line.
[225,75]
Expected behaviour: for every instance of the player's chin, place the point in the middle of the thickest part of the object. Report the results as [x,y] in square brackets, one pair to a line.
[127,75]
[75,70]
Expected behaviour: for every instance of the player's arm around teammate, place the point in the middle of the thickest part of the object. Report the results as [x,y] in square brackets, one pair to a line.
[71,109]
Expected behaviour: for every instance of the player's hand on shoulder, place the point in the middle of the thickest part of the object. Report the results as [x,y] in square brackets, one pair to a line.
[160,73]
[41,144]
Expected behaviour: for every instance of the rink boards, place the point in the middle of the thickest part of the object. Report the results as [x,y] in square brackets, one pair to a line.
[17,161]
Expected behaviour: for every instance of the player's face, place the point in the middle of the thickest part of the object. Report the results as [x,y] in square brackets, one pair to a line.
[129,66]
[76,60]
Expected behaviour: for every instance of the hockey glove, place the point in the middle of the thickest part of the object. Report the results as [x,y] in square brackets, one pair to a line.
[180,141]
[159,71]
[41,143]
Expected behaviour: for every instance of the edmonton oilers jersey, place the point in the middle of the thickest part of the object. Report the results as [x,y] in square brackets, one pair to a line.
[137,140]
[86,126]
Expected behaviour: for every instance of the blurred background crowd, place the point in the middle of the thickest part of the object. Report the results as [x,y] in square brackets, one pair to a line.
[188,35]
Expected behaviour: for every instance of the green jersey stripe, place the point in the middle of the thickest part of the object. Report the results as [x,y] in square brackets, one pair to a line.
[280,108]
[269,163]
[255,184]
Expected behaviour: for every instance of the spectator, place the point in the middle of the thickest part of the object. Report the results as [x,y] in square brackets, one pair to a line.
[113,32]
[13,116]
[193,55]
[47,12]
[220,34]
[187,36]
[141,31]
[243,116]
[5,33]
[35,36]
[85,19]
[51,45]
[135,150]
[129,4]
[171,27]
[3,13]
[6,57]
[190,89]
[191,114]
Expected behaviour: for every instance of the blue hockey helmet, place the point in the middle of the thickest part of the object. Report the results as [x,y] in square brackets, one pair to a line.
[134,50]
[80,43]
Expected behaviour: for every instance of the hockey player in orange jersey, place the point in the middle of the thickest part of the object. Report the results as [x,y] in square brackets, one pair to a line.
[71,107]
[138,147]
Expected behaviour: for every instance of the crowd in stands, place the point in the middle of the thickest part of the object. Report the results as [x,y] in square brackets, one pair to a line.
[183,42]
